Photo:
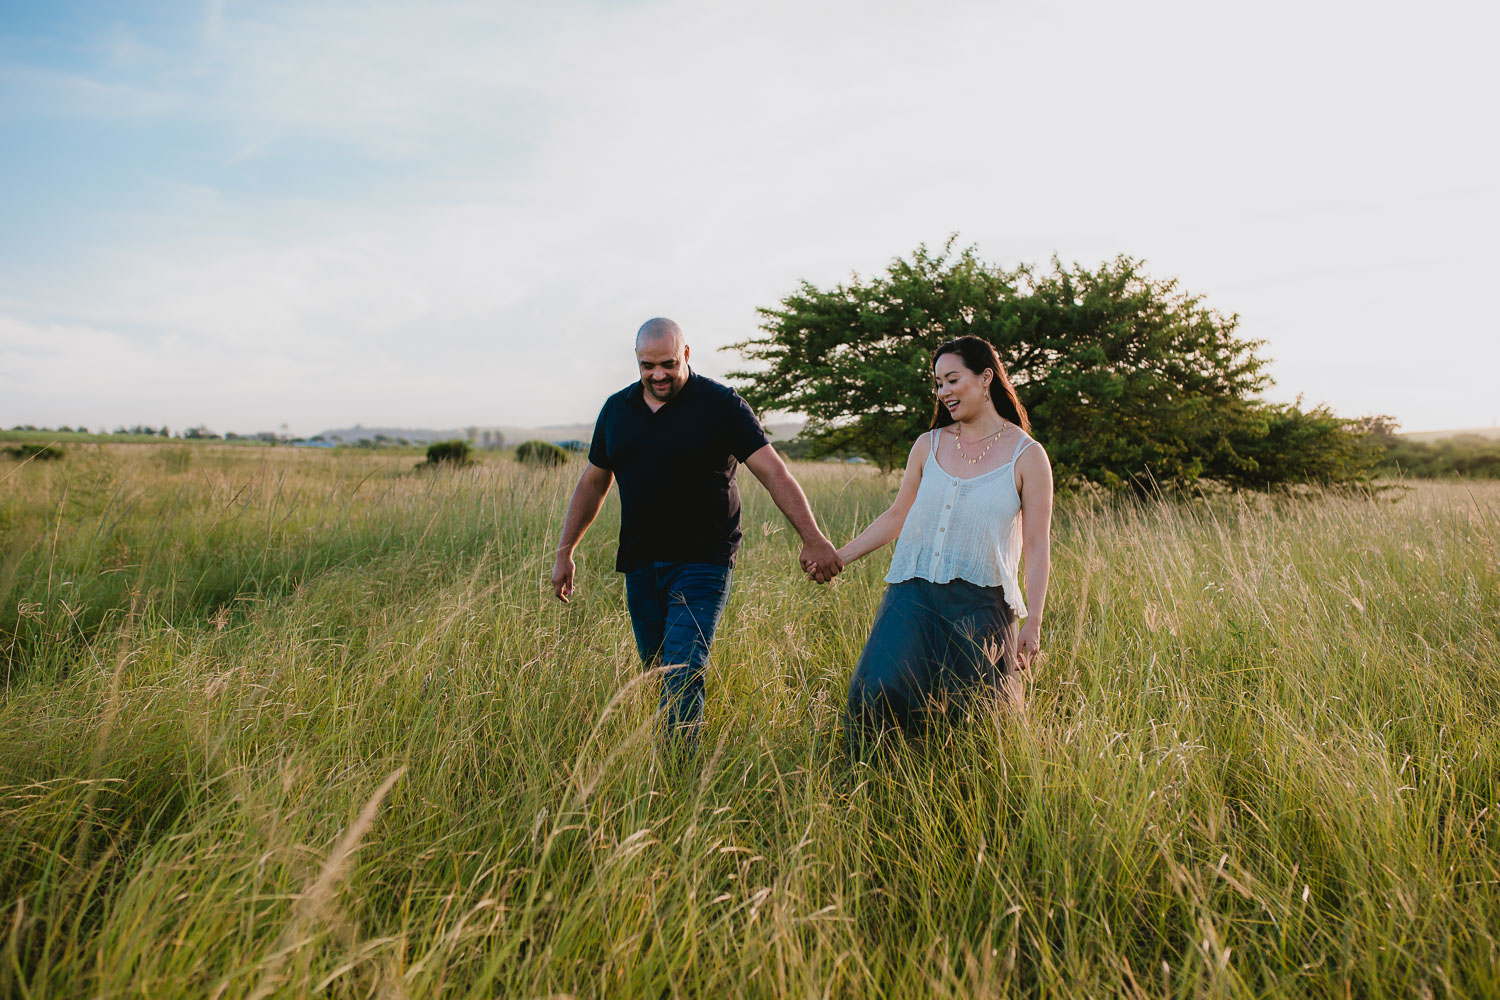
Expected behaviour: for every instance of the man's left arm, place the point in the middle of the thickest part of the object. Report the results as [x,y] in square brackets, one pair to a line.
[787,494]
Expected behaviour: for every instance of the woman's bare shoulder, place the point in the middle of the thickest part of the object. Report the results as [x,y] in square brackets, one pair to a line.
[920,448]
[1035,450]
[1034,465]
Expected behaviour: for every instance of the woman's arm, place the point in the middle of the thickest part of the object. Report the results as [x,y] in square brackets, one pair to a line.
[884,529]
[1034,482]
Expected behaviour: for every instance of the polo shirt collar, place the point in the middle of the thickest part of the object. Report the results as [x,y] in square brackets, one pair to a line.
[638,393]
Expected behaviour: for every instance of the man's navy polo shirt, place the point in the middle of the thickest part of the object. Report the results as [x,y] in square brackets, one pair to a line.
[675,467]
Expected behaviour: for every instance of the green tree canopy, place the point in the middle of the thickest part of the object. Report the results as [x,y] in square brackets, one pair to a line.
[1129,380]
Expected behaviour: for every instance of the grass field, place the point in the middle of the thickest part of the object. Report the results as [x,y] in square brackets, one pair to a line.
[281,723]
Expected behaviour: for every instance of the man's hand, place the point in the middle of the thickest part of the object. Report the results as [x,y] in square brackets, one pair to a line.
[820,560]
[1030,643]
[562,577]
[588,497]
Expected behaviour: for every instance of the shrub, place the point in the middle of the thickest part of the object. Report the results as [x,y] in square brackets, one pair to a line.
[540,453]
[1469,456]
[40,452]
[1285,445]
[453,452]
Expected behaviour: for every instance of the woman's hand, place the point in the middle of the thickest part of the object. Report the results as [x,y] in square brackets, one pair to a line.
[1030,643]
[820,560]
[845,558]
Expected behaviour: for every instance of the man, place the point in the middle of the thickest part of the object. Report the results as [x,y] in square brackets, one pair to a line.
[674,440]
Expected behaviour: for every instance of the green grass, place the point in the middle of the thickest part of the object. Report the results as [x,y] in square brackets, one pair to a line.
[291,723]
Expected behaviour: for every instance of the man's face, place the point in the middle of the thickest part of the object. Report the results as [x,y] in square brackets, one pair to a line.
[664,370]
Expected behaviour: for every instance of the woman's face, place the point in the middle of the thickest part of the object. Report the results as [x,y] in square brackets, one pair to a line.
[959,389]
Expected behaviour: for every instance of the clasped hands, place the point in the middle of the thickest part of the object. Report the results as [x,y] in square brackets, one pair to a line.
[820,560]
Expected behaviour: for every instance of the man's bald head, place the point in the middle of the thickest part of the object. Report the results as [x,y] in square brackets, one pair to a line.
[659,329]
[662,354]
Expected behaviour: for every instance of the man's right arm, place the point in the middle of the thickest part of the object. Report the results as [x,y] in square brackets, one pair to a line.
[588,497]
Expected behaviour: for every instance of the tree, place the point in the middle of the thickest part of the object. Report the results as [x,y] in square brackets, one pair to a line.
[1130,381]
[1137,382]
[854,358]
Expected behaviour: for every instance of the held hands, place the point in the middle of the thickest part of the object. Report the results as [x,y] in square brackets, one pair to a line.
[820,560]
[562,577]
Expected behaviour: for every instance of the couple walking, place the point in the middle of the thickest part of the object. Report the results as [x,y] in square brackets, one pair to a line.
[976,493]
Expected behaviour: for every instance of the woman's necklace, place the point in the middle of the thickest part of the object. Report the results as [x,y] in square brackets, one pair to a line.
[959,444]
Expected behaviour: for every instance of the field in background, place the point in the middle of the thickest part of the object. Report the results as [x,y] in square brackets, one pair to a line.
[290,723]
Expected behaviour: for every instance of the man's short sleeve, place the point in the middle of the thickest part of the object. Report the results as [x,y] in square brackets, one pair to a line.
[742,431]
[598,453]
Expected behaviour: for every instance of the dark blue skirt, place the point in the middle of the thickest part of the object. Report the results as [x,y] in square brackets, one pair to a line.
[933,646]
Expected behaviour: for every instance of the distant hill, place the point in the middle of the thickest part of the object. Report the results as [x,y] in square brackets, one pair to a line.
[1427,437]
[513,435]
[425,435]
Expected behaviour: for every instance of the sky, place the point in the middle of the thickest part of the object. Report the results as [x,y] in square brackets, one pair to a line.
[455,212]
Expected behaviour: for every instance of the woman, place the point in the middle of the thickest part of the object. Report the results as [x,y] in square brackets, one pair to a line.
[977,491]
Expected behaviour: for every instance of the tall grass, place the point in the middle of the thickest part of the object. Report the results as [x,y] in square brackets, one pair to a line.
[289,724]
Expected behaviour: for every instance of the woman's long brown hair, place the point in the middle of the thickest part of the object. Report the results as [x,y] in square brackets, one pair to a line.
[979,354]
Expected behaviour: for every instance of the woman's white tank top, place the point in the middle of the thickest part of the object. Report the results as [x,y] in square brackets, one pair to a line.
[964,529]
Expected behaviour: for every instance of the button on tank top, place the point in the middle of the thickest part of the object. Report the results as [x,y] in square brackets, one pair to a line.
[964,529]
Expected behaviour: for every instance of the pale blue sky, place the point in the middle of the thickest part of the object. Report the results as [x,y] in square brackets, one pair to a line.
[457,212]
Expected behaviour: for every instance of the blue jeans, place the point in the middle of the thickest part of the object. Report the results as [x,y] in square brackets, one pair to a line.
[674,609]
